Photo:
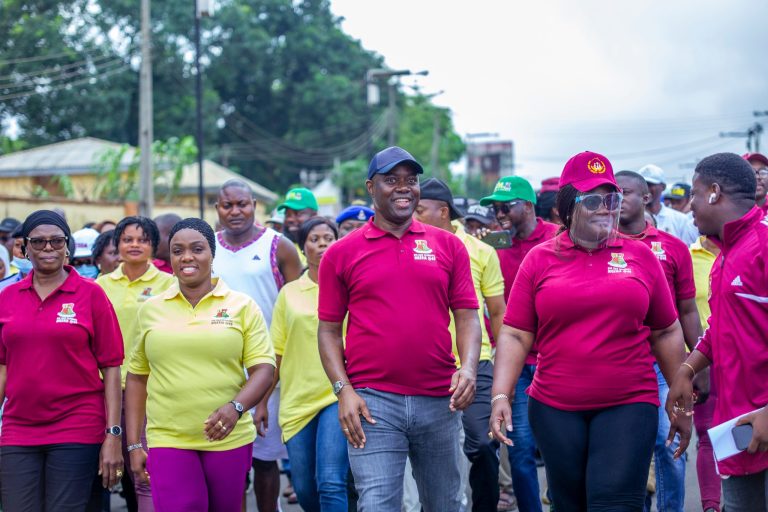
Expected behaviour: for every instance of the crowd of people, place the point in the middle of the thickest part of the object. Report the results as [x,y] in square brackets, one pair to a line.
[418,354]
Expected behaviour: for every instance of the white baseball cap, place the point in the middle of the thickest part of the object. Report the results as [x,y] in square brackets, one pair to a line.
[653,174]
[84,240]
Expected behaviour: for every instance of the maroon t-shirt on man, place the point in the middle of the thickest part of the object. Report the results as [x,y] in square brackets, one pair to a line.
[398,293]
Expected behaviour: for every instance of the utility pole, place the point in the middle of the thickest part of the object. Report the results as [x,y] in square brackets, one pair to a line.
[374,75]
[752,134]
[146,132]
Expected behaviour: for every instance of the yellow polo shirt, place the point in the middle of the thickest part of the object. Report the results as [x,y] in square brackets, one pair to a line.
[126,296]
[194,358]
[702,265]
[304,386]
[486,275]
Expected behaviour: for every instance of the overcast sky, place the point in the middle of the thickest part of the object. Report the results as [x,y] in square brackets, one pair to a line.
[641,82]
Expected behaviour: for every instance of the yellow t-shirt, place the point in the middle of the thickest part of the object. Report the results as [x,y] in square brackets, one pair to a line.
[304,387]
[486,275]
[194,358]
[126,296]
[702,265]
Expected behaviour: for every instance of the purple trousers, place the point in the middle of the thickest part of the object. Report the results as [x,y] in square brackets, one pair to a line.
[709,481]
[198,481]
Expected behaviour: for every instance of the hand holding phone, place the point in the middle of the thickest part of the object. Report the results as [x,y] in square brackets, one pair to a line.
[498,239]
[742,435]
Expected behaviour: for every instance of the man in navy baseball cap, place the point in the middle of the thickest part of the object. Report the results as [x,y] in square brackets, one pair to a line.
[387,159]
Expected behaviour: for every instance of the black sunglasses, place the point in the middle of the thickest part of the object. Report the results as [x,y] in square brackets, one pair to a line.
[505,208]
[592,202]
[57,243]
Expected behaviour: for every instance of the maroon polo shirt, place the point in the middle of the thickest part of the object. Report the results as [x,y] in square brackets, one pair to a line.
[398,293]
[52,351]
[591,313]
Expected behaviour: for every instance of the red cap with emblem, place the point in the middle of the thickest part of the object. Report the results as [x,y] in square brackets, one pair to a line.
[586,171]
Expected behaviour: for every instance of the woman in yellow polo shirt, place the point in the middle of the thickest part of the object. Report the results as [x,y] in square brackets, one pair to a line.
[186,375]
[128,286]
[308,414]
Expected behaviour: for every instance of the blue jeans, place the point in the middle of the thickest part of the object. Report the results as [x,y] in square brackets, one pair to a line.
[748,493]
[670,473]
[522,456]
[420,427]
[319,463]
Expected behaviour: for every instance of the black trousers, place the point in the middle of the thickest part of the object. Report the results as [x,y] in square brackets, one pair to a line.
[55,477]
[481,451]
[596,460]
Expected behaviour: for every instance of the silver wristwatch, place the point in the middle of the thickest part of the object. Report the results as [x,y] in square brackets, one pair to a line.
[338,385]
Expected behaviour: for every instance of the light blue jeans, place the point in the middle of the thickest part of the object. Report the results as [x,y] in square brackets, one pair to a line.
[319,463]
[420,427]
[670,473]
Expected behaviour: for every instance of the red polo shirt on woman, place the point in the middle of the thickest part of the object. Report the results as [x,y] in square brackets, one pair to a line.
[398,293]
[511,258]
[52,351]
[591,313]
[675,259]
[736,342]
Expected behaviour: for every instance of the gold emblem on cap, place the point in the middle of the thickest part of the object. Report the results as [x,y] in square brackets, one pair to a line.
[596,166]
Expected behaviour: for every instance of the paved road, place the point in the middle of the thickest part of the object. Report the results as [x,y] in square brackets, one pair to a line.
[692,498]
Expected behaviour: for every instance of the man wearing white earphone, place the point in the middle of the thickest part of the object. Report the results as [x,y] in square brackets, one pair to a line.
[736,342]
[667,220]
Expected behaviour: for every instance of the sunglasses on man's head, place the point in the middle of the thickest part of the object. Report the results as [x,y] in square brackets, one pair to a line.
[505,208]
[57,243]
[592,202]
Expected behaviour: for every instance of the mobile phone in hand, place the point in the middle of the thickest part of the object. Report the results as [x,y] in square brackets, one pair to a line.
[498,239]
[742,435]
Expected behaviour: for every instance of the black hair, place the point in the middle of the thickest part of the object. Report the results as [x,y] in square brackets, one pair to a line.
[311,224]
[147,225]
[566,202]
[198,225]
[102,242]
[544,204]
[637,177]
[734,175]
[236,183]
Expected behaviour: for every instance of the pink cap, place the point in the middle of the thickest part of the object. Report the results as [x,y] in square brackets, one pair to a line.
[755,156]
[587,171]
[550,185]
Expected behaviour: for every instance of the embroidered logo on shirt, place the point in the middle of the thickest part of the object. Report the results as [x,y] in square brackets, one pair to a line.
[422,252]
[737,282]
[145,294]
[67,314]
[596,166]
[658,251]
[618,265]
[222,318]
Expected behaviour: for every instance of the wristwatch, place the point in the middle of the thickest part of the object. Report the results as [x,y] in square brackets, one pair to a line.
[238,407]
[115,430]
[338,385]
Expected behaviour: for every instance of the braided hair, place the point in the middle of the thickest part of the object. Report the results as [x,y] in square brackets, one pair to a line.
[198,225]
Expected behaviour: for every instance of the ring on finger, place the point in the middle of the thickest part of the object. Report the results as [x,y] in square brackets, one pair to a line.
[345,430]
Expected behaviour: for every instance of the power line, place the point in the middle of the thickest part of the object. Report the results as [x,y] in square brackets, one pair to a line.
[45,81]
[34,59]
[91,61]
[65,85]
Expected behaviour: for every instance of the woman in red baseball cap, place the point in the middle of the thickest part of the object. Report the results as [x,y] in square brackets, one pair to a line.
[600,313]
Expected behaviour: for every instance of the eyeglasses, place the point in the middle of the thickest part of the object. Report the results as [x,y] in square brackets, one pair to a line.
[592,202]
[57,243]
[505,208]
[762,173]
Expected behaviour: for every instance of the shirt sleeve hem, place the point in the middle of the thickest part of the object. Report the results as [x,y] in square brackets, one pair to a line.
[259,360]
[325,317]
[519,326]
[137,371]
[465,305]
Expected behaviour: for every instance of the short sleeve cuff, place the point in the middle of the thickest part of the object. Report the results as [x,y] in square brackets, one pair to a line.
[494,291]
[465,304]
[137,370]
[253,361]
[663,323]
[110,363]
[520,326]
[332,317]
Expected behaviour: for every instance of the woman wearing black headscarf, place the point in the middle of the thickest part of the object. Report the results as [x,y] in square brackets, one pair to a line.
[60,356]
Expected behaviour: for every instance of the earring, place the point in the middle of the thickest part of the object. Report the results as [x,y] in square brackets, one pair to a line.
[67,253]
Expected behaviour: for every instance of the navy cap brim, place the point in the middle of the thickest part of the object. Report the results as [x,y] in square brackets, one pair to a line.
[416,165]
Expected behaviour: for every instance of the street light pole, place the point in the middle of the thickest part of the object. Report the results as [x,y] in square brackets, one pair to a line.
[146,132]
[374,75]
[199,113]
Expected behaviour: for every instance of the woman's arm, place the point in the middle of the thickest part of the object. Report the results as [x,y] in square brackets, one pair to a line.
[512,347]
[668,348]
[223,420]
[261,413]
[111,455]
[135,411]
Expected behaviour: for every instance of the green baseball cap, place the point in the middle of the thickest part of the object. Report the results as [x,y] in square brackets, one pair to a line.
[510,188]
[299,199]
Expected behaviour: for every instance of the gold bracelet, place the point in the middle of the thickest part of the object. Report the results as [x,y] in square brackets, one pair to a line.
[692,369]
